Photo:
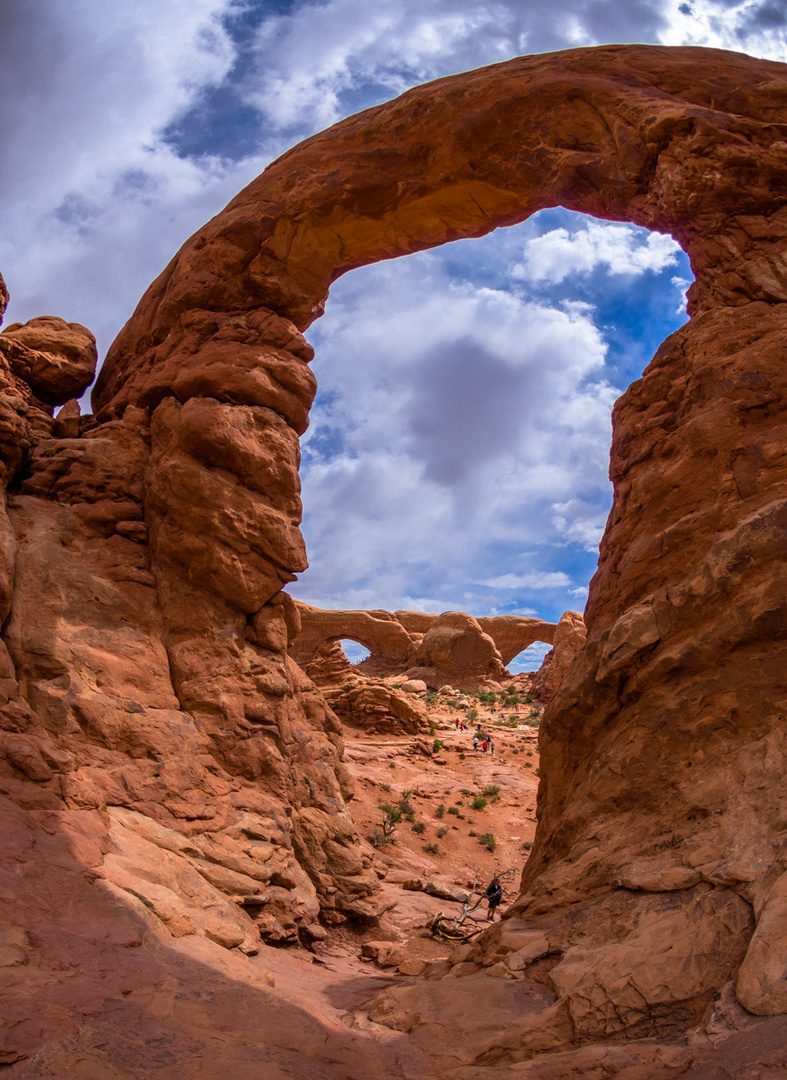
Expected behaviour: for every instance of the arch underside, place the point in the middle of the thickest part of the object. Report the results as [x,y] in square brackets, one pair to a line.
[653,804]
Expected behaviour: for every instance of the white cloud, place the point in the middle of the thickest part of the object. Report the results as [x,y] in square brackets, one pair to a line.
[454,417]
[615,249]
[758,27]
[580,522]
[533,580]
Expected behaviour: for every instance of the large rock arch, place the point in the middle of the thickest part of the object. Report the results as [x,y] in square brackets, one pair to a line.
[658,871]
[682,675]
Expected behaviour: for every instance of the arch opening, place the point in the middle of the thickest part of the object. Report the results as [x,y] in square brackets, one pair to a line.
[459,440]
[530,659]
[354,651]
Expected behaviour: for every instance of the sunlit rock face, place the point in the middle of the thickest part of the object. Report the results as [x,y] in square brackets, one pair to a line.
[152,713]
[451,648]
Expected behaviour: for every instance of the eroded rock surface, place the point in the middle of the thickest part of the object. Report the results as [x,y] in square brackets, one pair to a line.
[150,675]
[363,701]
[451,647]
[569,638]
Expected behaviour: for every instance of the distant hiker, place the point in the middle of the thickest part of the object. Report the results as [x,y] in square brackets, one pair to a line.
[492,747]
[494,895]
[485,746]
[456,722]
[475,742]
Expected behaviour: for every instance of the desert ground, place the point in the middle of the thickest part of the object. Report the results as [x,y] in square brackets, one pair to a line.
[466,815]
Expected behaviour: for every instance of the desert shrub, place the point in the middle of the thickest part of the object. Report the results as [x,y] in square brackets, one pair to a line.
[487,841]
[472,714]
[462,757]
[385,787]
[419,827]
[392,813]
[377,838]
[527,845]
[479,802]
[430,697]
[442,831]
[437,746]
[432,729]
[453,810]
[529,699]
[433,849]
[492,790]
[487,697]
[440,811]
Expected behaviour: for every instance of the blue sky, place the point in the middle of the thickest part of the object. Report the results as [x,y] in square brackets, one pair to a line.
[457,456]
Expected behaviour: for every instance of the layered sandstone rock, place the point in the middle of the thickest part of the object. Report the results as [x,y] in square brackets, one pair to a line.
[653,899]
[208,798]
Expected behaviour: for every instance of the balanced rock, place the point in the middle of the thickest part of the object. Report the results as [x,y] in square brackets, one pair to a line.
[55,358]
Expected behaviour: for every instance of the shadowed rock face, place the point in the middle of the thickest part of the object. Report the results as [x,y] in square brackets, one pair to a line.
[657,877]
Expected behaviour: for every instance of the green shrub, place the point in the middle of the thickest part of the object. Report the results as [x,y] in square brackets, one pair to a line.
[527,845]
[529,699]
[440,811]
[479,802]
[437,746]
[430,697]
[419,827]
[472,714]
[487,841]
[487,697]
[442,831]
[453,810]
[492,790]
[433,849]
[392,813]
[432,729]
[379,839]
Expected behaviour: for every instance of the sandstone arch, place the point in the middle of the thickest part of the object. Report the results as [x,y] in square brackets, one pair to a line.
[682,671]
[378,631]
[660,832]
[513,633]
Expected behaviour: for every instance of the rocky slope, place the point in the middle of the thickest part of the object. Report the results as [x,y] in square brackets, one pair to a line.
[163,755]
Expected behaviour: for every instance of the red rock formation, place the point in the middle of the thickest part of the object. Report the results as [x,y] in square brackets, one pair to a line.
[654,896]
[569,638]
[56,359]
[456,651]
[363,701]
[381,632]
[396,642]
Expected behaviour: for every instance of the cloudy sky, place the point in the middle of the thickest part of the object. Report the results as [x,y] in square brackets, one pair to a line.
[457,457]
